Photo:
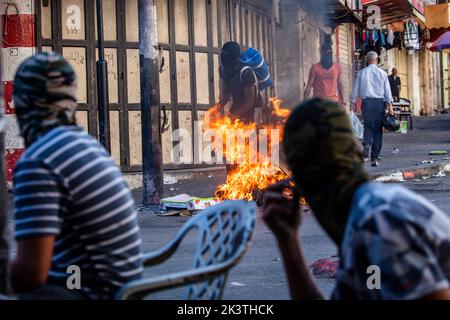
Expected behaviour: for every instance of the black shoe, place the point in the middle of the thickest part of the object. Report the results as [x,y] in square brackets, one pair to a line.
[375,163]
[366,152]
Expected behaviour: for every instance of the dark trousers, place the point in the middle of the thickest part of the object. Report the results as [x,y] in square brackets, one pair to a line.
[373,111]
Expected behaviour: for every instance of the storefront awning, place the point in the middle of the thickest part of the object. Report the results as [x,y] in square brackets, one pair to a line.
[437,16]
[397,10]
[344,11]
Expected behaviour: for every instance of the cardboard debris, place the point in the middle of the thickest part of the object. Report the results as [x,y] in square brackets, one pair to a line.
[170,213]
[169,180]
[393,177]
[187,202]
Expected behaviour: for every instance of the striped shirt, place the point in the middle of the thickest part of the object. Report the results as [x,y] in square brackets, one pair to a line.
[67,185]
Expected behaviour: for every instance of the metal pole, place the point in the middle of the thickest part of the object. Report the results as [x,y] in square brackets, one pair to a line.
[150,106]
[4,246]
[102,83]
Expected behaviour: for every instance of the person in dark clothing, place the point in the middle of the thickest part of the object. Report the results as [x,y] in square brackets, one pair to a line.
[396,84]
[238,85]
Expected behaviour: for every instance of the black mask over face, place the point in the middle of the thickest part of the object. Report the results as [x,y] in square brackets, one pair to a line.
[326,59]
[231,53]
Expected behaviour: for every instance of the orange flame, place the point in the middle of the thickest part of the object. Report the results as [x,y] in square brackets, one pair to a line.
[247,178]
[278,110]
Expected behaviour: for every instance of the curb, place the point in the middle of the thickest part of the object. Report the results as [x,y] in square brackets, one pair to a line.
[134,180]
[409,174]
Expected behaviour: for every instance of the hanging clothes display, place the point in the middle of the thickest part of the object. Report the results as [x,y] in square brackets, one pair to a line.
[404,34]
[412,39]
[398,40]
[391,38]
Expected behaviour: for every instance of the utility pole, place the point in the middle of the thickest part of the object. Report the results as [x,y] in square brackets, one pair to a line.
[150,107]
[102,83]
[4,247]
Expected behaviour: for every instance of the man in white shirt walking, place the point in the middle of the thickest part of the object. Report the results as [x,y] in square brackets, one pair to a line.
[372,86]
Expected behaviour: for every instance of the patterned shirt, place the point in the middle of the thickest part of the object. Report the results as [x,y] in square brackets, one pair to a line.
[403,235]
[67,185]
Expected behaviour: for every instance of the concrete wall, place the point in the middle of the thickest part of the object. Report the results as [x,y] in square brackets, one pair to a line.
[297,49]
[287,42]
[437,80]
[414,83]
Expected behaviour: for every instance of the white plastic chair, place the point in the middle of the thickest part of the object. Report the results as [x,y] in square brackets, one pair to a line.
[224,234]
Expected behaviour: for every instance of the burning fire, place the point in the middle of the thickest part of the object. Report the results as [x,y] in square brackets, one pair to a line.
[278,110]
[249,178]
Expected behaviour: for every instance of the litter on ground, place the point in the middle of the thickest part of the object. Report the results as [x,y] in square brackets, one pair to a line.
[393,177]
[187,202]
[169,180]
[438,153]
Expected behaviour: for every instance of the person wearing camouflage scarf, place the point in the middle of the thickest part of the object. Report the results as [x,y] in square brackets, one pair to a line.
[375,226]
[44,95]
[71,201]
[325,160]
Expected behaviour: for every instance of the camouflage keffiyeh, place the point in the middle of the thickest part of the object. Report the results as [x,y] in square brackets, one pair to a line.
[325,161]
[44,95]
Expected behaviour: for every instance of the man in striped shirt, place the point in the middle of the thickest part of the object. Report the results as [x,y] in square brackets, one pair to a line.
[72,208]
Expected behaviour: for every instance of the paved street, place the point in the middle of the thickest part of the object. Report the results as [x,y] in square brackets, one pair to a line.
[260,275]
[429,134]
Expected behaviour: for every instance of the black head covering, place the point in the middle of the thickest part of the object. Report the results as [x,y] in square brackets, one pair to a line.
[326,56]
[231,53]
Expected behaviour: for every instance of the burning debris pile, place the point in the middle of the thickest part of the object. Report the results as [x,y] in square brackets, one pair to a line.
[253,168]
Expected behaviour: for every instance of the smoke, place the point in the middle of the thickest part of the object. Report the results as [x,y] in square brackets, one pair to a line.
[305,26]
[318,10]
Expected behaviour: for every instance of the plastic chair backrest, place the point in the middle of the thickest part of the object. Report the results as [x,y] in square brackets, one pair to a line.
[224,233]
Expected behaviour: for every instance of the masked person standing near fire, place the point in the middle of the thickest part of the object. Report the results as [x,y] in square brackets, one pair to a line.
[325,77]
[238,85]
